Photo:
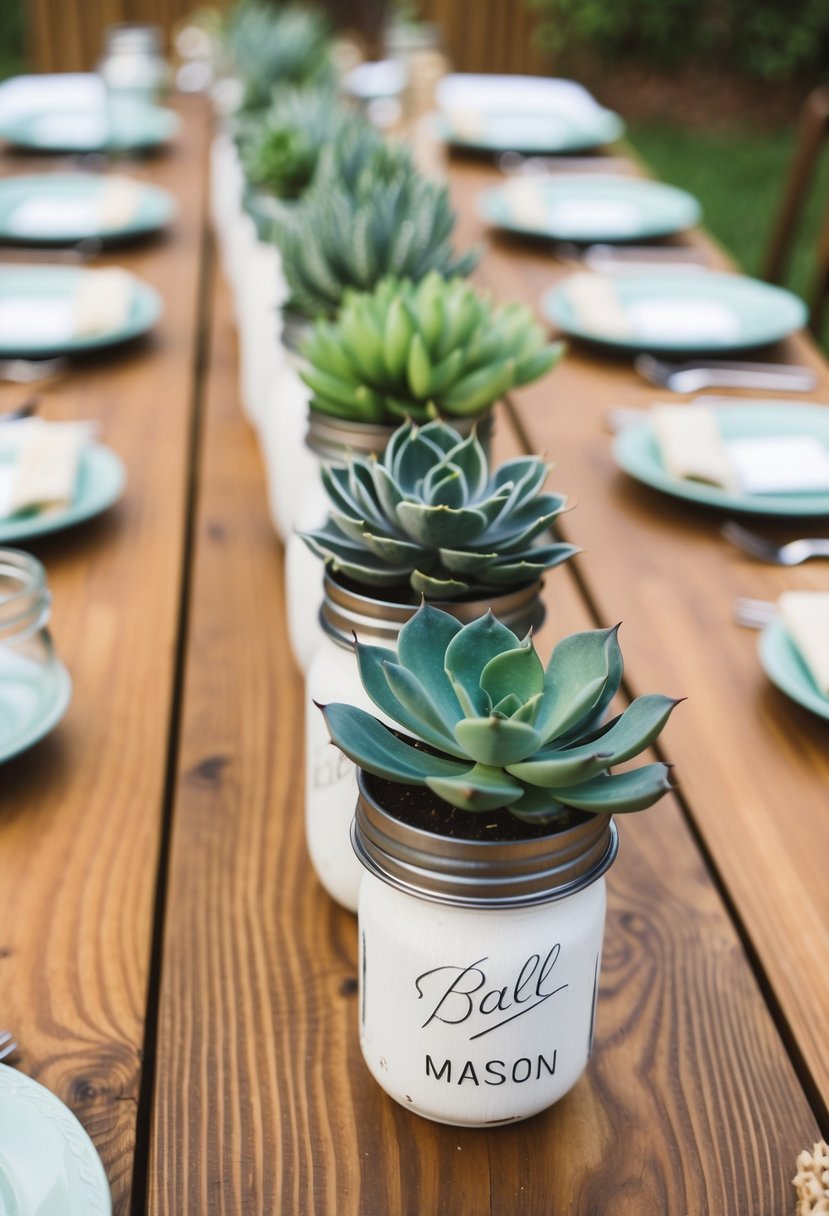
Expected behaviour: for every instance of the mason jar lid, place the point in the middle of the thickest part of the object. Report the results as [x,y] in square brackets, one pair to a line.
[335,439]
[475,873]
[25,599]
[133,37]
[346,611]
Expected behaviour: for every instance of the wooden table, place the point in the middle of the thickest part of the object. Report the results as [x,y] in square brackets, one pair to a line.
[167,959]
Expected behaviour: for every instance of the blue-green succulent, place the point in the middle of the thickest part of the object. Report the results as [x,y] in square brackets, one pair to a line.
[501,730]
[430,516]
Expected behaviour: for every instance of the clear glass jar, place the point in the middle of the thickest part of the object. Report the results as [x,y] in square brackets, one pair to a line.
[132,67]
[34,685]
[479,964]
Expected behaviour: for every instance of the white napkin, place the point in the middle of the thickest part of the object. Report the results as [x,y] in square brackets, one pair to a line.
[472,91]
[805,617]
[39,463]
[101,302]
[25,95]
[593,216]
[671,319]
[113,206]
[596,305]
[693,448]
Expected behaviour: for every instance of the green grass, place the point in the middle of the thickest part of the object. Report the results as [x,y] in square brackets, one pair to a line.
[738,178]
[12,38]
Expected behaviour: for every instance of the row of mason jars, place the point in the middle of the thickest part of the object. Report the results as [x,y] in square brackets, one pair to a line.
[534,950]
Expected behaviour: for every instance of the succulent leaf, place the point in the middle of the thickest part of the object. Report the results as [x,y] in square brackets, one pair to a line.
[429,502]
[482,699]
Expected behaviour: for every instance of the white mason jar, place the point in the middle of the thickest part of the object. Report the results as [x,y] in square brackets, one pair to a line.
[289,464]
[226,189]
[260,324]
[330,778]
[479,963]
[333,441]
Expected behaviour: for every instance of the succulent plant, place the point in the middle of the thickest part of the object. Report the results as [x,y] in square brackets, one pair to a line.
[360,158]
[273,45]
[280,149]
[428,515]
[420,350]
[501,730]
[345,237]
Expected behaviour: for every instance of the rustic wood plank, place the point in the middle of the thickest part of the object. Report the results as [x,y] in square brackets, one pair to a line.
[80,814]
[754,766]
[262,1102]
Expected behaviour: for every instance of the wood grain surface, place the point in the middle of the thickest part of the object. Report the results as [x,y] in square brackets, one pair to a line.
[80,814]
[262,1102]
[754,766]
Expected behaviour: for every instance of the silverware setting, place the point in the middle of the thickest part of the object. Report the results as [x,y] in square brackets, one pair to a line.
[30,371]
[633,259]
[791,554]
[753,614]
[8,1045]
[688,377]
[516,164]
[24,410]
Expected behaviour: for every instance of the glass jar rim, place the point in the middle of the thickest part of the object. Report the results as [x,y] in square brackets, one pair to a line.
[25,605]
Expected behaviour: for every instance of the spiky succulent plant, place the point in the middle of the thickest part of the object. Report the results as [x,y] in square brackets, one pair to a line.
[505,731]
[272,45]
[280,149]
[428,515]
[343,237]
[419,350]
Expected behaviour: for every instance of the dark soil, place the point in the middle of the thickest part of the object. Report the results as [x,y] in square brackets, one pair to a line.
[418,807]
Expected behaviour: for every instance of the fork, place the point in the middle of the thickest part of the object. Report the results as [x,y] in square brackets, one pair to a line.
[753,614]
[791,554]
[29,371]
[718,373]
[8,1046]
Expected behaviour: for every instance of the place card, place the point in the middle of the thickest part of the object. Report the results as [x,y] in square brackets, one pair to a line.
[39,463]
[805,617]
[596,305]
[691,445]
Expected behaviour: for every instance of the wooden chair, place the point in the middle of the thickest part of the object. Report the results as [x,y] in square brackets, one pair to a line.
[812,131]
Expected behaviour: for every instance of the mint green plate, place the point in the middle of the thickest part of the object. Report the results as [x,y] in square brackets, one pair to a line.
[727,312]
[76,194]
[56,283]
[588,207]
[537,132]
[781,661]
[101,479]
[637,452]
[48,1164]
[134,128]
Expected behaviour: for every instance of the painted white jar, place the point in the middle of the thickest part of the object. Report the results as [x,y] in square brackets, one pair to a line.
[260,294]
[479,964]
[226,189]
[330,778]
[289,464]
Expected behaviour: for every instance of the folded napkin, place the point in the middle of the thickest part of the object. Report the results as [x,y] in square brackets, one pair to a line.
[39,464]
[596,305]
[101,302]
[805,617]
[691,445]
[526,203]
[693,448]
[482,92]
[111,207]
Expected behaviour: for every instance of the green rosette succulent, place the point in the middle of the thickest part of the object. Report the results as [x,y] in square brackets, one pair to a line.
[273,45]
[429,516]
[501,730]
[280,150]
[422,350]
[343,238]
